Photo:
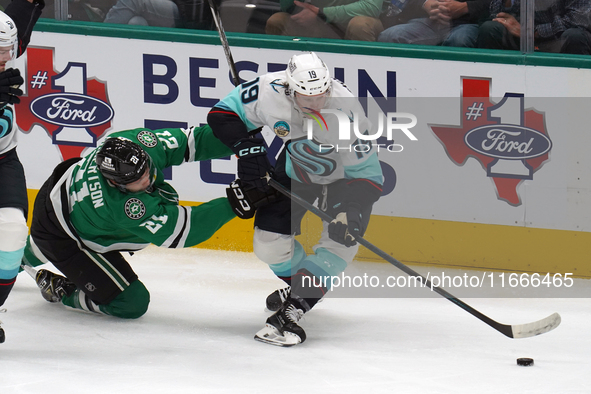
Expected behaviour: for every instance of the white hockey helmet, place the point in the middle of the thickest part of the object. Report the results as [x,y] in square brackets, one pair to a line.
[8,34]
[308,75]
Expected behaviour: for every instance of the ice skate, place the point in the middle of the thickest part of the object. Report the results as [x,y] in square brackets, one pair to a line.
[276,299]
[53,286]
[2,335]
[281,328]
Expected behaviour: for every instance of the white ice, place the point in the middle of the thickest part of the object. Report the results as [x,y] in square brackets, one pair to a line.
[197,337]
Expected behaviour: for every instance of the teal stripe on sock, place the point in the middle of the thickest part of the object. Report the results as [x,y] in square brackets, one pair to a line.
[324,264]
[10,263]
[286,268]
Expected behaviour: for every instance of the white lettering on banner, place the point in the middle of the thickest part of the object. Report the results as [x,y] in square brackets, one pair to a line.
[498,143]
[62,110]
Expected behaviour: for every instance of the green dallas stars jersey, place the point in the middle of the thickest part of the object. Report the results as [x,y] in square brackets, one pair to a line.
[107,219]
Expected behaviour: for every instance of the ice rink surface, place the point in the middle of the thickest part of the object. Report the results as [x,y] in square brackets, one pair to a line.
[197,337]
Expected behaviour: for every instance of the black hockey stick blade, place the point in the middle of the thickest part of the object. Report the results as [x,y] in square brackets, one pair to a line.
[511,331]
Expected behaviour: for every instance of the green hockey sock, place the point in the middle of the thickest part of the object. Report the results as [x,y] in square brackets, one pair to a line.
[129,304]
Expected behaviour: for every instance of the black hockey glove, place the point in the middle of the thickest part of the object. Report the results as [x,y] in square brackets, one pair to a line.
[346,225]
[245,199]
[253,163]
[10,81]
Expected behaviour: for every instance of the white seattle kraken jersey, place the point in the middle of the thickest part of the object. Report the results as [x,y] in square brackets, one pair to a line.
[8,129]
[327,156]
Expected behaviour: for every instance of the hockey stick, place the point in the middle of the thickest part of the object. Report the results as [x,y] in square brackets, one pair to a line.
[224,40]
[29,269]
[512,331]
[228,52]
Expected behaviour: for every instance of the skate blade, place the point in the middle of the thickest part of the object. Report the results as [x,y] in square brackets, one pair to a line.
[269,334]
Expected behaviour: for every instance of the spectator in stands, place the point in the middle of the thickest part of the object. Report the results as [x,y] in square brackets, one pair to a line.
[196,14]
[559,26]
[338,19]
[79,10]
[191,14]
[162,13]
[436,22]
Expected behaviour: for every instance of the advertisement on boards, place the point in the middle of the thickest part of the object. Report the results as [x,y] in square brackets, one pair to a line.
[490,144]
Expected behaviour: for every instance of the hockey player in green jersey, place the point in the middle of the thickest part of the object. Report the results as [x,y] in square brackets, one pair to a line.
[112,200]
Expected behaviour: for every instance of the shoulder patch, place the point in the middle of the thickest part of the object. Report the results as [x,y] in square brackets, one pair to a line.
[147,138]
[135,208]
[281,128]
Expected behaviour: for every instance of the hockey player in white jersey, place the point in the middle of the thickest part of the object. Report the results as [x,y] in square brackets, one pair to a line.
[315,163]
[16,26]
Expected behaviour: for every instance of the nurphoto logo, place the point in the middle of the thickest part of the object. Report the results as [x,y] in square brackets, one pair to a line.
[392,121]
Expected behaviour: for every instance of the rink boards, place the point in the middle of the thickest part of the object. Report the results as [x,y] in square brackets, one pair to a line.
[497,178]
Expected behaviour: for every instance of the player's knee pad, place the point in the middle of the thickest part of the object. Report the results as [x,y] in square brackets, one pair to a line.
[13,229]
[347,253]
[272,248]
[13,237]
[131,303]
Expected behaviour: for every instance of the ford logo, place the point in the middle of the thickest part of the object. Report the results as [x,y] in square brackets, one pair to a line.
[71,109]
[508,141]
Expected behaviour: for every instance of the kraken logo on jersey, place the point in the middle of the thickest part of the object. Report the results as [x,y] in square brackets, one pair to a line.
[277,83]
[281,128]
[135,208]
[310,157]
[147,138]
[6,117]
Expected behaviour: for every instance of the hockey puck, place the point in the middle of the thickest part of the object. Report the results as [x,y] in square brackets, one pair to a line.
[525,362]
